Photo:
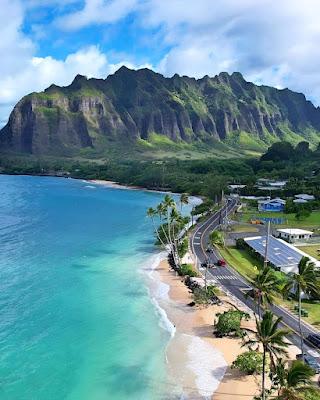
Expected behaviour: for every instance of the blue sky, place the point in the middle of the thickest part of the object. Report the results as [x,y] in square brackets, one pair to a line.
[50,41]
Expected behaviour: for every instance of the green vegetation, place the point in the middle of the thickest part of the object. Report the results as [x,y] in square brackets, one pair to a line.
[311,221]
[216,238]
[293,382]
[311,307]
[306,280]
[187,270]
[183,247]
[271,338]
[249,362]
[248,266]
[204,296]
[229,323]
[239,228]
[312,250]
[241,261]
[207,177]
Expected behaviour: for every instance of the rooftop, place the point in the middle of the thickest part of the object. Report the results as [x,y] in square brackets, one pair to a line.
[295,231]
[280,253]
[305,196]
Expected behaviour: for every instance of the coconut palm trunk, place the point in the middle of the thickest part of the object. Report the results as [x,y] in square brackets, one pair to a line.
[299,320]
[263,384]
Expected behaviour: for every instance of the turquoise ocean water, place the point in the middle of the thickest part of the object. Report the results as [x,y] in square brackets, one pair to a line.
[76,319]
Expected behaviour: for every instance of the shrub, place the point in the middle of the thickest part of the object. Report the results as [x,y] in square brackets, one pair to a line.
[302,214]
[183,247]
[216,238]
[311,394]
[187,269]
[202,296]
[249,362]
[229,322]
[241,244]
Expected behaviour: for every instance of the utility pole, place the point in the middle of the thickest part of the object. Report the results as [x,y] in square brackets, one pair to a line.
[205,274]
[265,264]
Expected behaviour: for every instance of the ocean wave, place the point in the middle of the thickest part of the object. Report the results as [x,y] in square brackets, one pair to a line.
[207,364]
[159,291]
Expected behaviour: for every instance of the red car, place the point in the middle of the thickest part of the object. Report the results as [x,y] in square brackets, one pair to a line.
[221,263]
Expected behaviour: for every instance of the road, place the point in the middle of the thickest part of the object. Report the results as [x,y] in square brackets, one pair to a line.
[233,283]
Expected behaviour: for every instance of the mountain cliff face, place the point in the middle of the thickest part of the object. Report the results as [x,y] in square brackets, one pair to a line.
[131,106]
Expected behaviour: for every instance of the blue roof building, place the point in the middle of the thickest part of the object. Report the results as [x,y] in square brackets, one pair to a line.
[275,205]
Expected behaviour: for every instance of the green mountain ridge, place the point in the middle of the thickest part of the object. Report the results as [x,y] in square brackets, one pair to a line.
[141,110]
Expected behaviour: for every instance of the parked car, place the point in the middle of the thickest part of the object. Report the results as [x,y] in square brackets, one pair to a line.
[221,262]
[314,339]
[313,362]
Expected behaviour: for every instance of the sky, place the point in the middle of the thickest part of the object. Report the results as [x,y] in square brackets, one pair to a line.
[272,42]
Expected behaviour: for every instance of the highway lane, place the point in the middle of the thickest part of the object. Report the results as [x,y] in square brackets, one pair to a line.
[233,283]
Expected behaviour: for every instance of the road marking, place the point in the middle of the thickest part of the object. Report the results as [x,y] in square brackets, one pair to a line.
[225,277]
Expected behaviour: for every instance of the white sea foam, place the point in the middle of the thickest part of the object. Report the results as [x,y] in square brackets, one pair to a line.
[159,291]
[207,364]
[90,187]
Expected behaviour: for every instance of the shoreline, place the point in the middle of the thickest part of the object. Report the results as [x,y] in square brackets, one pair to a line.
[197,362]
[107,183]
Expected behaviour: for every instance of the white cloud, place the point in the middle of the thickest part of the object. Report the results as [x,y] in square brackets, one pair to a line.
[274,43]
[21,72]
[96,12]
[270,43]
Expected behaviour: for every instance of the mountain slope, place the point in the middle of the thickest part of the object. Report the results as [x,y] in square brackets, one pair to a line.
[143,107]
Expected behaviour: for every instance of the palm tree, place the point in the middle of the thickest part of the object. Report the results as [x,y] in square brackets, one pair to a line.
[168,205]
[271,338]
[216,238]
[305,280]
[152,213]
[184,199]
[292,381]
[265,283]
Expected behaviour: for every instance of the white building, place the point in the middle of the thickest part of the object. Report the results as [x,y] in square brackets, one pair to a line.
[293,235]
[306,197]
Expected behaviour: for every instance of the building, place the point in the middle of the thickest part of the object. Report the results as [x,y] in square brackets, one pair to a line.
[300,201]
[275,205]
[270,184]
[305,197]
[281,255]
[293,235]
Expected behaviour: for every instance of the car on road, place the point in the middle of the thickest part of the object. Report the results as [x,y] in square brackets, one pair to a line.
[221,263]
[313,362]
[314,339]
[209,250]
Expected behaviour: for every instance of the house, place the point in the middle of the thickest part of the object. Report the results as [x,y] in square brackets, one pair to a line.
[293,235]
[236,187]
[304,196]
[270,184]
[300,201]
[276,205]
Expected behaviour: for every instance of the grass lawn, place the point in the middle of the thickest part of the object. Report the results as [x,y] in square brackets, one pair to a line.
[312,308]
[245,264]
[243,228]
[312,251]
[311,222]
[241,261]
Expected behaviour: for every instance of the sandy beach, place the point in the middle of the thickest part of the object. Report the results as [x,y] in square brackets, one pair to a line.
[198,361]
